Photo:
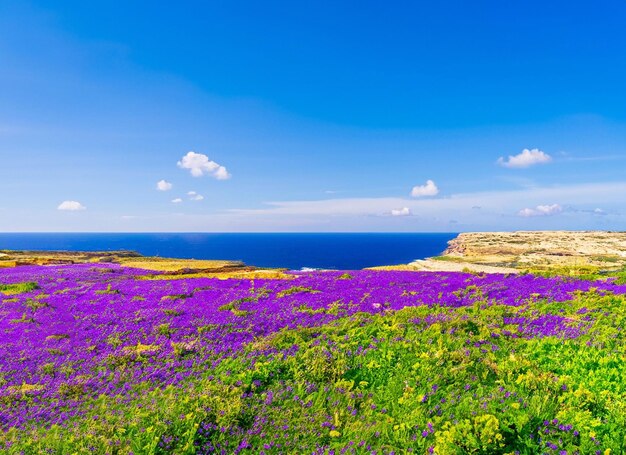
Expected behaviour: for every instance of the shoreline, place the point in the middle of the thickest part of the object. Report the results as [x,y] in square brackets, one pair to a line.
[482,252]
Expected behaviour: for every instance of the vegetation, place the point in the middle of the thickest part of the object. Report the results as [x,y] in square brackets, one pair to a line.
[381,362]
[18,288]
[583,272]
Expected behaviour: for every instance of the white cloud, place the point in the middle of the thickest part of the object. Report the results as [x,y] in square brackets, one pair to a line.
[525,159]
[549,209]
[163,185]
[177,200]
[199,164]
[429,189]
[71,206]
[526,212]
[195,196]
[221,173]
[495,205]
[541,210]
[404,211]
[368,214]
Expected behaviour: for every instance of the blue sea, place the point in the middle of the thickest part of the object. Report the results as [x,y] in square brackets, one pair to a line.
[293,251]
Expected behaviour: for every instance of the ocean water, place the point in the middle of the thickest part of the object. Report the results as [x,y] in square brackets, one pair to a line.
[345,251]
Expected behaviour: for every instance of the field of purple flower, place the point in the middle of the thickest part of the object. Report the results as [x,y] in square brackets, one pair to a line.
[106,359]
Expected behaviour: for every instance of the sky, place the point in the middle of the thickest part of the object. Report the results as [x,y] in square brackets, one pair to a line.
[326,116]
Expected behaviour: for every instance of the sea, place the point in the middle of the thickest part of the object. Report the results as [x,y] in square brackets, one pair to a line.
[295,251]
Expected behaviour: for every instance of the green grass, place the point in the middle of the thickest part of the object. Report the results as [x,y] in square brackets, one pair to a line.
[18,288]
[296,290]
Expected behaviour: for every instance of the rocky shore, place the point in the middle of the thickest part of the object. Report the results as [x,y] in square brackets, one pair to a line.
[511,252]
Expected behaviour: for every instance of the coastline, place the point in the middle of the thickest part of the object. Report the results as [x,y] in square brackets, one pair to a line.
[481,252]
[570,253]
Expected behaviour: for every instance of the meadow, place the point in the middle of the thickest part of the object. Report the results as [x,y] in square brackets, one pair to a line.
[99,358]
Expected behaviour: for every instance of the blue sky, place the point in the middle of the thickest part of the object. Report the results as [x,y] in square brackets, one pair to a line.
[316,116]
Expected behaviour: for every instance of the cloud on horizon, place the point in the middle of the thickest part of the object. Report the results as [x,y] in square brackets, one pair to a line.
[404,211]
[541,210]
[525,159]
[429,189]
[71,206]
[495,204]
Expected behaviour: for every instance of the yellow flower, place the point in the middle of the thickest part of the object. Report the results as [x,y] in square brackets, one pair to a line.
[334,434]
